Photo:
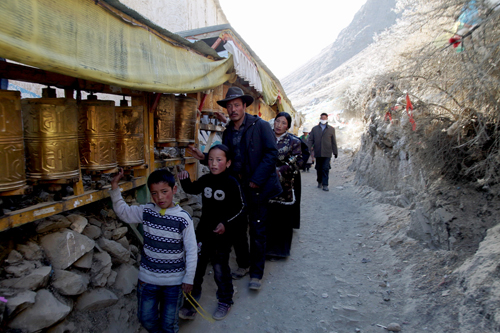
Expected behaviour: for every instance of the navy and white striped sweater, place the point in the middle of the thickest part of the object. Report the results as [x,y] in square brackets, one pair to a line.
[169,254]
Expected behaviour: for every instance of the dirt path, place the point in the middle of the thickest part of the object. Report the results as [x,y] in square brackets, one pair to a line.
[342,275]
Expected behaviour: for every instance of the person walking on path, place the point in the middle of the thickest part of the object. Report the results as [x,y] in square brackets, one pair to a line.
[322,142]
[222,208]
[307,164]
[284,210]
[254,153]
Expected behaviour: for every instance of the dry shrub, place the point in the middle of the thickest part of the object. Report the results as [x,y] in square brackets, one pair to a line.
[458,91]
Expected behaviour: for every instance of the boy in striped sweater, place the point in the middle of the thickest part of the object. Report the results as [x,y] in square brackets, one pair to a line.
[169,255]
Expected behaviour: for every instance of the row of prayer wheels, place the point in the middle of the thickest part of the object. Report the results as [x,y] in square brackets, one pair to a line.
[60,136]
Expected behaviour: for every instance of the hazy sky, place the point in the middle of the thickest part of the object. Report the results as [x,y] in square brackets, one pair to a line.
[285,34]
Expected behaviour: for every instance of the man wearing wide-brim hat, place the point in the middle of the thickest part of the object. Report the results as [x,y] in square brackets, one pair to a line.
[254,154]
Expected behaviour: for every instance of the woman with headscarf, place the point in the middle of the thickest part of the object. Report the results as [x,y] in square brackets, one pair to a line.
[284,210]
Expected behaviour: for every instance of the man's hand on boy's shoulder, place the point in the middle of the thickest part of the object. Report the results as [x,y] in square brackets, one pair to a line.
[116,179]
[183,175]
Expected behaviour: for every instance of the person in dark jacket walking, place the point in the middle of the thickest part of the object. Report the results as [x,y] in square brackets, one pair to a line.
[254,153]
[322,142]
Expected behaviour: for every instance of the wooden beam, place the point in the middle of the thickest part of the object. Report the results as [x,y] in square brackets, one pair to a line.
[34,75]
[39,211]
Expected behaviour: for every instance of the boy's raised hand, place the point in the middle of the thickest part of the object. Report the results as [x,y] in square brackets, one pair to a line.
[116,179]
[183,174]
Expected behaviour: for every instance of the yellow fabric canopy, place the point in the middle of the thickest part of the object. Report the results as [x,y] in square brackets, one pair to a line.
[83,39]
[271,92]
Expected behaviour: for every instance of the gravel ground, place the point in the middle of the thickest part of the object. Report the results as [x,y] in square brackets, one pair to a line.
[342,276]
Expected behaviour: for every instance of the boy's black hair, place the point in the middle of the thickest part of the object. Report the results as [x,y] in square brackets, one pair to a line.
[224,148]
[287,117]
[161,176]
[324,114]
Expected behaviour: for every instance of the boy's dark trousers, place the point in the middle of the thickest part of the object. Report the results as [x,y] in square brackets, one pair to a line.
[215,249]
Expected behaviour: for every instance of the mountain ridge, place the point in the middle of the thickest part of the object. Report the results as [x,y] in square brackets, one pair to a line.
[373,17]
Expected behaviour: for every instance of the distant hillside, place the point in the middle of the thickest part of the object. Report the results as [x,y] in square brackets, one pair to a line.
[374,17]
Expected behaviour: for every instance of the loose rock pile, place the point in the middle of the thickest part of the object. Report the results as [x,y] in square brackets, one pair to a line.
[74,271]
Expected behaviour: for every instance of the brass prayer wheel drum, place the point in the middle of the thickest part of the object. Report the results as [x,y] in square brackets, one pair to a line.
[164,119]
[51,138]
[12,165]
[96,134]
[129,135]
[185,120]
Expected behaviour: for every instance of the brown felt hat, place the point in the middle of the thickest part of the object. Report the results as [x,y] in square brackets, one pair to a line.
[233,93]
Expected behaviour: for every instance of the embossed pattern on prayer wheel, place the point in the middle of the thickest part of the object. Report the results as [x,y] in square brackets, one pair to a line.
[218,94]
[185,120]
[12,165]
[164,119]
[129,135]
[51,138]
[97,135]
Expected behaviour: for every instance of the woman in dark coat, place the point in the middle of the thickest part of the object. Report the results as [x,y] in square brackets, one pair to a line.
[284,212]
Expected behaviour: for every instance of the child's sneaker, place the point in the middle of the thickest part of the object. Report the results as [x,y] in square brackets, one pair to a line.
[222,311]
[188,314]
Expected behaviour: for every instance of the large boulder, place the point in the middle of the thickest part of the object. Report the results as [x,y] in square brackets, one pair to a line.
[46,311]
[480,287]
[119,232]
[92,231]
[52,223]
[20,302]
[124,242]
[78,222]
[95,222]
[115,249]
[101,269]
[65,247]
[85,261]
[30,251]
[37,279]
[64,327]
[126,280]
[95,300]
[69,283]
[14,258]
[20,269]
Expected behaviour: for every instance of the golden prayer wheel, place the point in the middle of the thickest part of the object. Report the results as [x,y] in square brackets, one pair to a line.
[129,135]
[185,120]
[12,172]
[164,119]
[51,138]
[96,134]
